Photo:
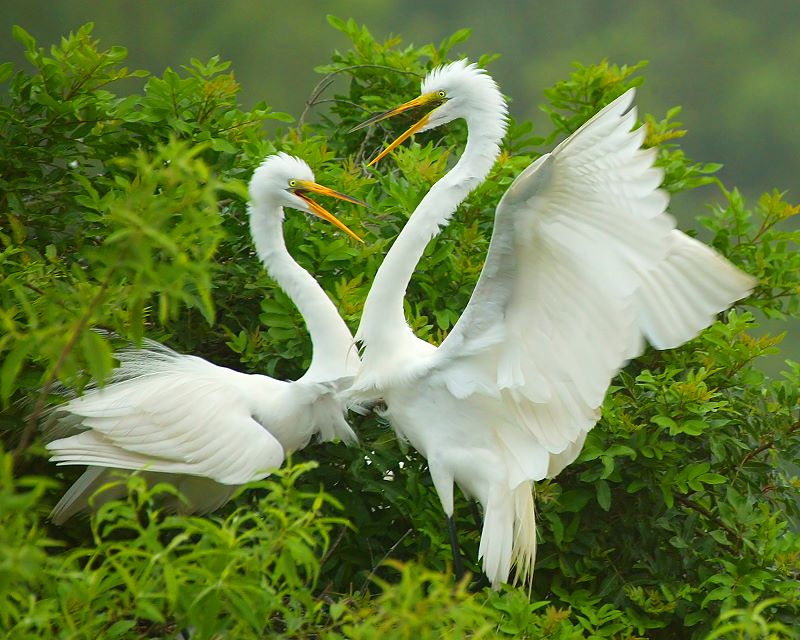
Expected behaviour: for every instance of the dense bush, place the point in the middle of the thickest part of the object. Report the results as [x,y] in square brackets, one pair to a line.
[122,200]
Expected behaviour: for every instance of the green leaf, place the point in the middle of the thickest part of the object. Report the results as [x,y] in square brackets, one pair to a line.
[713,478]
[337,609]
[19,34]
[148,610]
[119,629]
[669,498]
[17,228]
[6,69]
[97,353]
[574,499]
[603,492]
[220,144]
[12,364]
[720,593]
[693,427]
[720,536]
[557,527]
[336,23]
[462,35]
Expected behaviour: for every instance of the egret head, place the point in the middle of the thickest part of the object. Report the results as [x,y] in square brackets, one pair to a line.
[456,90]
[465,91]
[285,181]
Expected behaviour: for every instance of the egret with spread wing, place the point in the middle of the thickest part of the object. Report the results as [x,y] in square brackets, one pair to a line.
[583,266]
[204,428]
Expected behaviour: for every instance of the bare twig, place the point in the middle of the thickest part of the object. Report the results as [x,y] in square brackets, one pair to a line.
[239,124]
[332,548]
[767,445]
[312,99]
[694,506]
[752,454]
[342,101]
[386,555]
[327,81]
[33,418]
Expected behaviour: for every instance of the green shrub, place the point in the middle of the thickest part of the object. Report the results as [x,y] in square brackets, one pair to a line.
[122,206]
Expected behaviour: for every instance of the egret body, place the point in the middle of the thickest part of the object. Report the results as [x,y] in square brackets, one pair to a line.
[204,428]
[584,265]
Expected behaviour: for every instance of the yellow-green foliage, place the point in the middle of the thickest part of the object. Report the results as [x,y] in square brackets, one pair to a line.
[122,207]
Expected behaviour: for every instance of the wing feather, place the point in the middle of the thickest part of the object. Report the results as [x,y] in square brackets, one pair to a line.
[583,265]
[707,283]
[183,415]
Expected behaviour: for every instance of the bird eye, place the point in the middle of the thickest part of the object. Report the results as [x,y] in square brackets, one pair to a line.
[292,183]
[442,94]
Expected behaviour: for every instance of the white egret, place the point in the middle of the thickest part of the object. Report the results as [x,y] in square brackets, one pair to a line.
[208,429]
[583,266]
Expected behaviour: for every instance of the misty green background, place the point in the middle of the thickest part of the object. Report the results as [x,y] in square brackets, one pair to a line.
[733,65]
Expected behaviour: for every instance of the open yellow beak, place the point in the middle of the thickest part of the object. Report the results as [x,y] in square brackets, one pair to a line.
[421,101]
[304,186]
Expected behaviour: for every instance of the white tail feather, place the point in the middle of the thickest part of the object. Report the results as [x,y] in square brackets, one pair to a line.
[76,498]
[509,534]
[524,551]
[497,536]
[199,495]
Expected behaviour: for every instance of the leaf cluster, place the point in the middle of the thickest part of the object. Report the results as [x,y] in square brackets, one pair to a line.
[126,211]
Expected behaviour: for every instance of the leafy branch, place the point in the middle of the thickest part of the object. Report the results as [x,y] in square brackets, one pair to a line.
[80,326]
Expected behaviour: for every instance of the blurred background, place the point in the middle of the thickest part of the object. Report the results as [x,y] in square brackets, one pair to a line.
[734,65]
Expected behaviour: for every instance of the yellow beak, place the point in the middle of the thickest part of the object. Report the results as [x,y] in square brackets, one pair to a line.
[305,186]
[421,101]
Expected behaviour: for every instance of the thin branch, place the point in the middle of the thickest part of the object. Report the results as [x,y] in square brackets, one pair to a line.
[362,149]
[78,85]
[239,124]
[377,66]
[342,101]
[752,454]
[327,81]
[323,84]
[380,562]
[332,548]
[767,445]
[33,418]
[694,506]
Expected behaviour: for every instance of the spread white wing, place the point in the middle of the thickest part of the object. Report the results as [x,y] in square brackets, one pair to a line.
[171,413]
[584,264]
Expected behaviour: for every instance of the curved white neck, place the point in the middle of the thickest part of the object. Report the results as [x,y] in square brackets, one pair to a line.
[383,322]
[334,355]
